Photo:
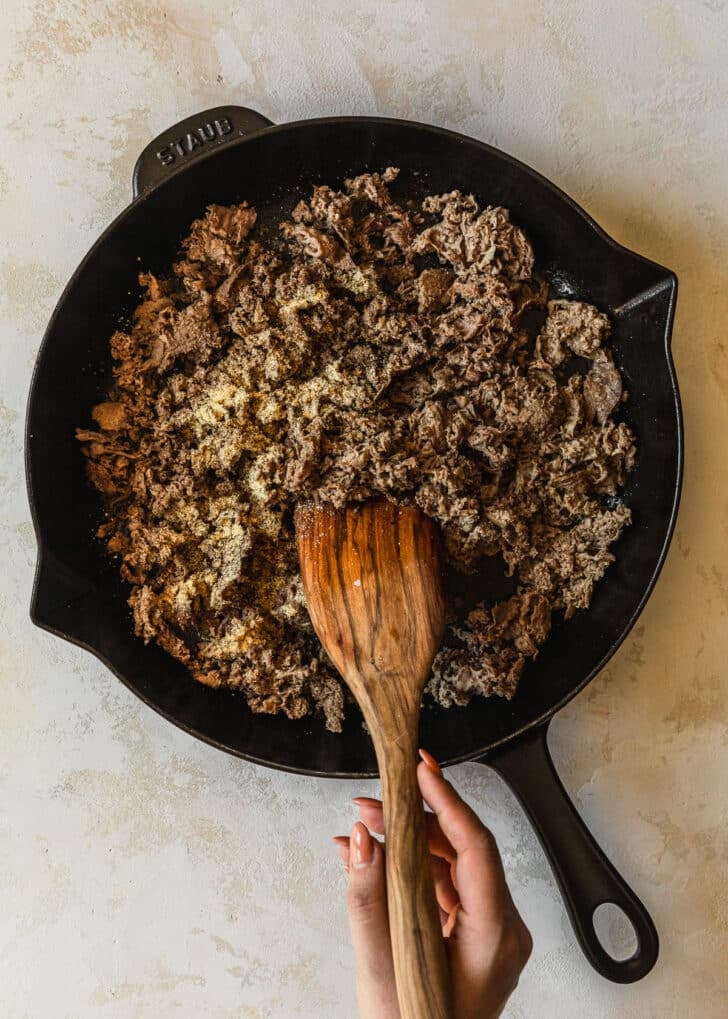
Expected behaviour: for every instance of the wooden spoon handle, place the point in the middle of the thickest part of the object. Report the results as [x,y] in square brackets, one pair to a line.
[420,964]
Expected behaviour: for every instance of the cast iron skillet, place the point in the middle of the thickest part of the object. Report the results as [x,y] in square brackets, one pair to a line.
[226,154]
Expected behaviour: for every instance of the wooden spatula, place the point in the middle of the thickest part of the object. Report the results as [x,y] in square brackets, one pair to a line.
[373,579]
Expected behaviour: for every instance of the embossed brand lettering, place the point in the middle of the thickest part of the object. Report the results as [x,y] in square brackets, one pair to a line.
[183,146]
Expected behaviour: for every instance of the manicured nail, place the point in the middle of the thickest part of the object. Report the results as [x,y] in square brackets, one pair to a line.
[360,800]
[363,846]
[430,762]
[342,844]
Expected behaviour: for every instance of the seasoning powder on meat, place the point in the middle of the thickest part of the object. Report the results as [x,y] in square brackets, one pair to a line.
[374,349]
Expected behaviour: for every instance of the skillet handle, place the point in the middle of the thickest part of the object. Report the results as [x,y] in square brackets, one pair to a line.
[584,874]
[191,138]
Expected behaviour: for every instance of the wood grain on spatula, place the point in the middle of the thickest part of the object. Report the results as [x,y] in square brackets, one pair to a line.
[373,580]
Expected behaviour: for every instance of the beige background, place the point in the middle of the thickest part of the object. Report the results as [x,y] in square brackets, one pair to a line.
[143,874]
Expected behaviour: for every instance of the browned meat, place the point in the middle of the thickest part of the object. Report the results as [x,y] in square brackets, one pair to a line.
[571,326]
[602,388]
[338,365]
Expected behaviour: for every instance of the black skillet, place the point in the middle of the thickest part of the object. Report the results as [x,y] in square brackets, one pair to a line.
[227,154]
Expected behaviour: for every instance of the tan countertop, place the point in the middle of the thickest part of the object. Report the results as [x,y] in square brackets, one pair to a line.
[143,874]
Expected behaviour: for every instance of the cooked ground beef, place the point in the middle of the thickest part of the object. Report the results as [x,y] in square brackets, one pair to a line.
[374,348]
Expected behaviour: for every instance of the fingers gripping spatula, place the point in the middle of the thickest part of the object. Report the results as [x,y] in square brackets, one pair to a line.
[373,580]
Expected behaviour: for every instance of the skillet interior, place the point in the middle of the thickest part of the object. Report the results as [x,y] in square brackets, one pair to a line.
[78,593]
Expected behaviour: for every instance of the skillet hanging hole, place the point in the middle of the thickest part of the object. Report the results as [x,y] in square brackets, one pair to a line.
[615,932]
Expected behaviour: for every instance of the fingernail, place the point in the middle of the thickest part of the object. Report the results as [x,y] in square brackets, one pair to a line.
[363,850]
[359,800]
[342,844]
[430,762]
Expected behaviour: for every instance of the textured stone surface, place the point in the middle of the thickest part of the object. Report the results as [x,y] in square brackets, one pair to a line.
[143,874]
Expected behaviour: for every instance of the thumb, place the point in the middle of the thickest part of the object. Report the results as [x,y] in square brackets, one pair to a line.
[366,900]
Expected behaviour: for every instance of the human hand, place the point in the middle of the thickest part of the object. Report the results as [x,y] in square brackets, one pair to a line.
[486,941]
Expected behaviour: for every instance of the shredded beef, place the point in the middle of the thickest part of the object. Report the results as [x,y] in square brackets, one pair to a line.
[375,349]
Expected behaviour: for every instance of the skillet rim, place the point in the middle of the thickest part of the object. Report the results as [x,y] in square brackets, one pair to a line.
[668,282]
